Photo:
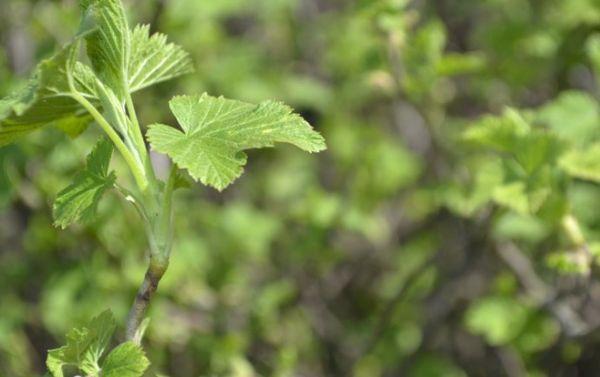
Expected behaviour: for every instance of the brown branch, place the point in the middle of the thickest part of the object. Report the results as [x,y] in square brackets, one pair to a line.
[142,300]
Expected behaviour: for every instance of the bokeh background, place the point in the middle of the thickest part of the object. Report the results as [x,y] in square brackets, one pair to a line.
[379,257]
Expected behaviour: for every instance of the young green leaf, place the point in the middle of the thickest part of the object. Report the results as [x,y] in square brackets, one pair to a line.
[153,60]
[84,346]
[584,164]
[499,133]
[216,131]
[573,116]
[127,61]
[126,360]
[510,134]
[46,99]
[78,202]
[108,46]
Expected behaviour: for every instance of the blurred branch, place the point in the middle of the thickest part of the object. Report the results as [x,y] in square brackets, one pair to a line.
[387,314]
[539,292]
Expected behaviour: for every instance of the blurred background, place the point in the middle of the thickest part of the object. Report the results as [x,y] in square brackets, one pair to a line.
[383,256]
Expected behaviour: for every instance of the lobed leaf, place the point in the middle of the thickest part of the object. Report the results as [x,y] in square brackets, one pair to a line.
[216,131]
[79,201]
[511,134]
[153,60]
[122,61]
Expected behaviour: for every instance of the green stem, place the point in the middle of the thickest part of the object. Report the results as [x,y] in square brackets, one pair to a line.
[134,119]
[137,172]
[160,236]
[167,210]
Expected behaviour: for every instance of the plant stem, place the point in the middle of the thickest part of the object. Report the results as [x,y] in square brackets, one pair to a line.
[155,272]
[160,238]
[139,138]
[138,173]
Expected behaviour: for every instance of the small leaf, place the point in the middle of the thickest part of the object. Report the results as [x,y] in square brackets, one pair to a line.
[78,202]
[153,60]
[498,319]
[216,131]
[583,163]
[511,134]
[127,360]
[499,133]
[108,46]
[84,346]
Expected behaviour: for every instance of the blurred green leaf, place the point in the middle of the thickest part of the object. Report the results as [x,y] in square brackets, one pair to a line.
[583,163]
[498,319]
[574,116]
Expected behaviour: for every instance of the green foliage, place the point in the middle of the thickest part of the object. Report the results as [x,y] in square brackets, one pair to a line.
[69,93]
[45,100]
[79,201]
[126,360]
[216,131]
[108,46]
[456,130]
[153,60]
[584,164]
[86,346]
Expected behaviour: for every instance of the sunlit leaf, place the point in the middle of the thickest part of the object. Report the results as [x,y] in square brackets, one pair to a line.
[216,131]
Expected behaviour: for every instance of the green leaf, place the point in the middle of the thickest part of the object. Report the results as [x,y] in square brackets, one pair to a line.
[575,116]
[511,134]
[129,60]
[498,319]
[513,196]
[583,163]
[78,202]
[108,47]
[153,60]
[126,360]
[499,133]
[46,99]
[216,131]
[84,346]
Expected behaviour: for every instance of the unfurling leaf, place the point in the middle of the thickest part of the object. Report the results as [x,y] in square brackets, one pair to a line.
[108,46]
[125,60]
[216,131]
[78,202]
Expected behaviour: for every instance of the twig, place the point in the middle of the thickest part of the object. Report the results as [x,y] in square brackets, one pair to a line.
[153,275]
[160,237]
[542,294]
